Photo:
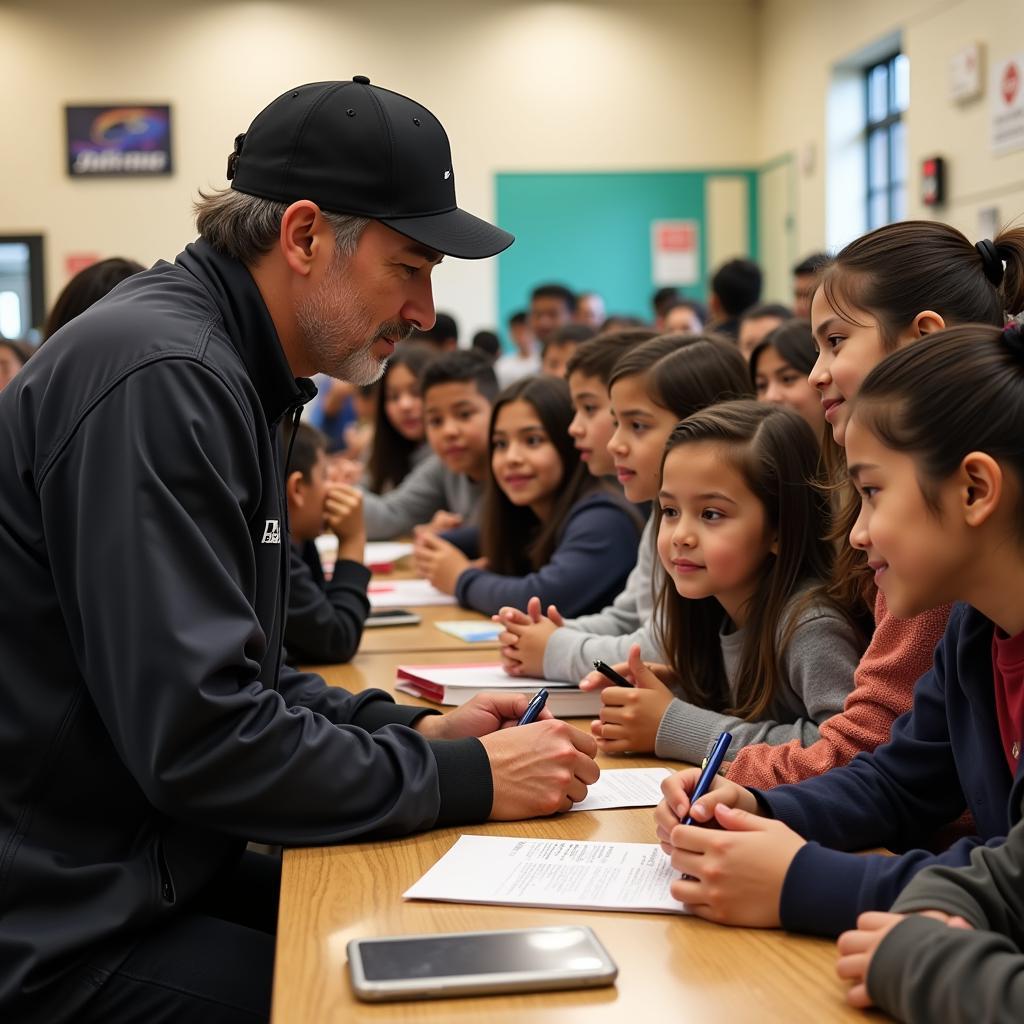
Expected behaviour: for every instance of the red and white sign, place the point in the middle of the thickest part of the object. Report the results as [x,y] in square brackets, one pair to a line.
[674,258]
[1008,105]
[77,261]
[966,81]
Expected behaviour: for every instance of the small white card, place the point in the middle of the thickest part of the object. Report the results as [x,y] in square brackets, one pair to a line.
[624,787]
[385,552]
[572,873]
[473,632]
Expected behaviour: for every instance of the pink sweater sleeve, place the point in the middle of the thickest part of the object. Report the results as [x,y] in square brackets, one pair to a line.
[900,652]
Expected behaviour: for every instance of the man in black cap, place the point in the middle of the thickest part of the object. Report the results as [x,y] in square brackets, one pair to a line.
[148,726]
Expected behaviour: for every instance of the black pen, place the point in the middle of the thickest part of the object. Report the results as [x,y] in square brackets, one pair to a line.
[609,673]
[534,708]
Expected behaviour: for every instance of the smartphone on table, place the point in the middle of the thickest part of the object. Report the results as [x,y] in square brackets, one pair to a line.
[391,617]
[478,963]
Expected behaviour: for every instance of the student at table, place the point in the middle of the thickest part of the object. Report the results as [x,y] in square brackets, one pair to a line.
[145,707]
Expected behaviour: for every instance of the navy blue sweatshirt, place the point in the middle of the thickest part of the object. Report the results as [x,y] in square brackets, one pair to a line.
[325,617]
[944,755]
[588,568]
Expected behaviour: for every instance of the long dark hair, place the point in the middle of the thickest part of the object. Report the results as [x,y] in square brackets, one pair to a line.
[85,288]
[512,539]
[894,273]
[391,455]
[959,390]
[777,454]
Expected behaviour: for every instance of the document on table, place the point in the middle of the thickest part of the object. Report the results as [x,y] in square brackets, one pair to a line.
[385,552]
[406,594]
[624,787]
[575,874]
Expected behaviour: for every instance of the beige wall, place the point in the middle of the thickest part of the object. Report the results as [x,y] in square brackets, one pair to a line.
[801,42]
[519,86]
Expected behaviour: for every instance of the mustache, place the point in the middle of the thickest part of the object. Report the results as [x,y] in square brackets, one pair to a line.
[397,330]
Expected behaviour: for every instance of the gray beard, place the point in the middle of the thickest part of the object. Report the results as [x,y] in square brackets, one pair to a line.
[339,331]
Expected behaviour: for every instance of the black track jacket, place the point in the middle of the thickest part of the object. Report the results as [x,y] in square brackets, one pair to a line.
[147,726]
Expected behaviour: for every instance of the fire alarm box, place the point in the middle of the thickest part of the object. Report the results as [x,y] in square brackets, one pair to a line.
[933,181]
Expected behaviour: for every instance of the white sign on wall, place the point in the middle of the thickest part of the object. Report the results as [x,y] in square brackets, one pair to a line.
[965,74]
[1007,100]
[674,257]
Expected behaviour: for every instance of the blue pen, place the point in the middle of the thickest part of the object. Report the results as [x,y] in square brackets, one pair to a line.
[534,708]
[709,769]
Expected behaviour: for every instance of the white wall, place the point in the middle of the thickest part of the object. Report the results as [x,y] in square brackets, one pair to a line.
[802,41]
[616,85]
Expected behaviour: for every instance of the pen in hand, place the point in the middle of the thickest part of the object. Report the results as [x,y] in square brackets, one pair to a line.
[709,769]
[609,673]
[534,708]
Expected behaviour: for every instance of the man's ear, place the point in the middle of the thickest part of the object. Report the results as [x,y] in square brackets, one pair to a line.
[301,236]
[295,489]
[980,487]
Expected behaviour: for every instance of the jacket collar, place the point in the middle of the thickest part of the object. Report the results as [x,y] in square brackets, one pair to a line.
[249,327]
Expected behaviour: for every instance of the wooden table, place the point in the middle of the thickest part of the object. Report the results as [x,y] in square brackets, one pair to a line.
[670,968]
[426,636]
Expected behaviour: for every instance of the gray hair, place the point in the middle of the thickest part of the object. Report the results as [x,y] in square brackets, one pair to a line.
[246,227]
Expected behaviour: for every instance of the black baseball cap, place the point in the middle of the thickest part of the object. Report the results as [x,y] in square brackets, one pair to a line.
[354,148]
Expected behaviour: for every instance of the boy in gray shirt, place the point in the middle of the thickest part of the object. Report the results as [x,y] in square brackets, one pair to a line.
[445,489]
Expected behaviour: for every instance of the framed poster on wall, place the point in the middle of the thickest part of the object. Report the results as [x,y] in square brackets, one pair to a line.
[126,138]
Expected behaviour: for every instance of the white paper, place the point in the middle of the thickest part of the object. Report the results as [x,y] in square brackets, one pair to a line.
[406,594]
[385,552]
[469,630]
[624,787]
[575,874]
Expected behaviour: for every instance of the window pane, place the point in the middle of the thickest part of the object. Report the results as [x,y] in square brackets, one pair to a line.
[898,202]
[10,315]
[901,82]
[878,93]
[878,210]
[878,159]
[898,149]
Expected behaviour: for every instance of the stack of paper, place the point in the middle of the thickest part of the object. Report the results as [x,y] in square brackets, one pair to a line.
[381,555]
[455,684]
[572,873]
[406,594]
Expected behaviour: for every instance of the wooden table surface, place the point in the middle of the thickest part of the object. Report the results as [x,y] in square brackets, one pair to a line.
[426,636]
[670,968]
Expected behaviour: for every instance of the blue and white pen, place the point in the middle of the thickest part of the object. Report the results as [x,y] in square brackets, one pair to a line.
[709,769]
[534,708]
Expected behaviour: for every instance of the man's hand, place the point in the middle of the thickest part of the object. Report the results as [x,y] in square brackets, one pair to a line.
[857,948]
[343,514]
[630,717]
[481,715]
[539,769]
[438,561]
[525,637]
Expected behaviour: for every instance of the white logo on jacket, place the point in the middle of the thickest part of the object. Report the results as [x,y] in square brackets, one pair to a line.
[272,532]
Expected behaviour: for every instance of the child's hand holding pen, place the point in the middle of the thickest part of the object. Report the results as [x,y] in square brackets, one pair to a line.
[630,715]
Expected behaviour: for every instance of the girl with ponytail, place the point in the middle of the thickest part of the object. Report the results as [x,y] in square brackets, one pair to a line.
[882,293]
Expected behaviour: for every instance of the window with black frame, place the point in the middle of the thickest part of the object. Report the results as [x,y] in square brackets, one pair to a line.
[887,86]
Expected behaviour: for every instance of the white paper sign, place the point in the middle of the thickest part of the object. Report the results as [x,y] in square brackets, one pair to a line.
[965,74]
[674,251]
[1007,102]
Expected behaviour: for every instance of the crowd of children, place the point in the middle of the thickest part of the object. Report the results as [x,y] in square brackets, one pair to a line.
[798,525]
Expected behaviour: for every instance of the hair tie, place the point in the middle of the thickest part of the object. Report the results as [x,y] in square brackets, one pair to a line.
[991,263]
[1013,337]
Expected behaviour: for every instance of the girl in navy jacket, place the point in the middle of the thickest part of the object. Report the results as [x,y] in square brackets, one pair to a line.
[934,451]
[548,527]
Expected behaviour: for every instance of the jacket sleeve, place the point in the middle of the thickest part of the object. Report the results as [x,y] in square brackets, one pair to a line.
[818,664]
[411,503]
[583,550]
[989,893]
[924,972]
[894,797]
[325,625]
[158,582]
[900,652]
[569,655]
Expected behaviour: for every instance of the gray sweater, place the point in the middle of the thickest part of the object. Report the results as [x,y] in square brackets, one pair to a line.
[924,971]
[817,670]
[429,488]
[608,634]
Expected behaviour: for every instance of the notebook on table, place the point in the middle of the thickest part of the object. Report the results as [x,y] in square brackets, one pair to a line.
[453,685]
